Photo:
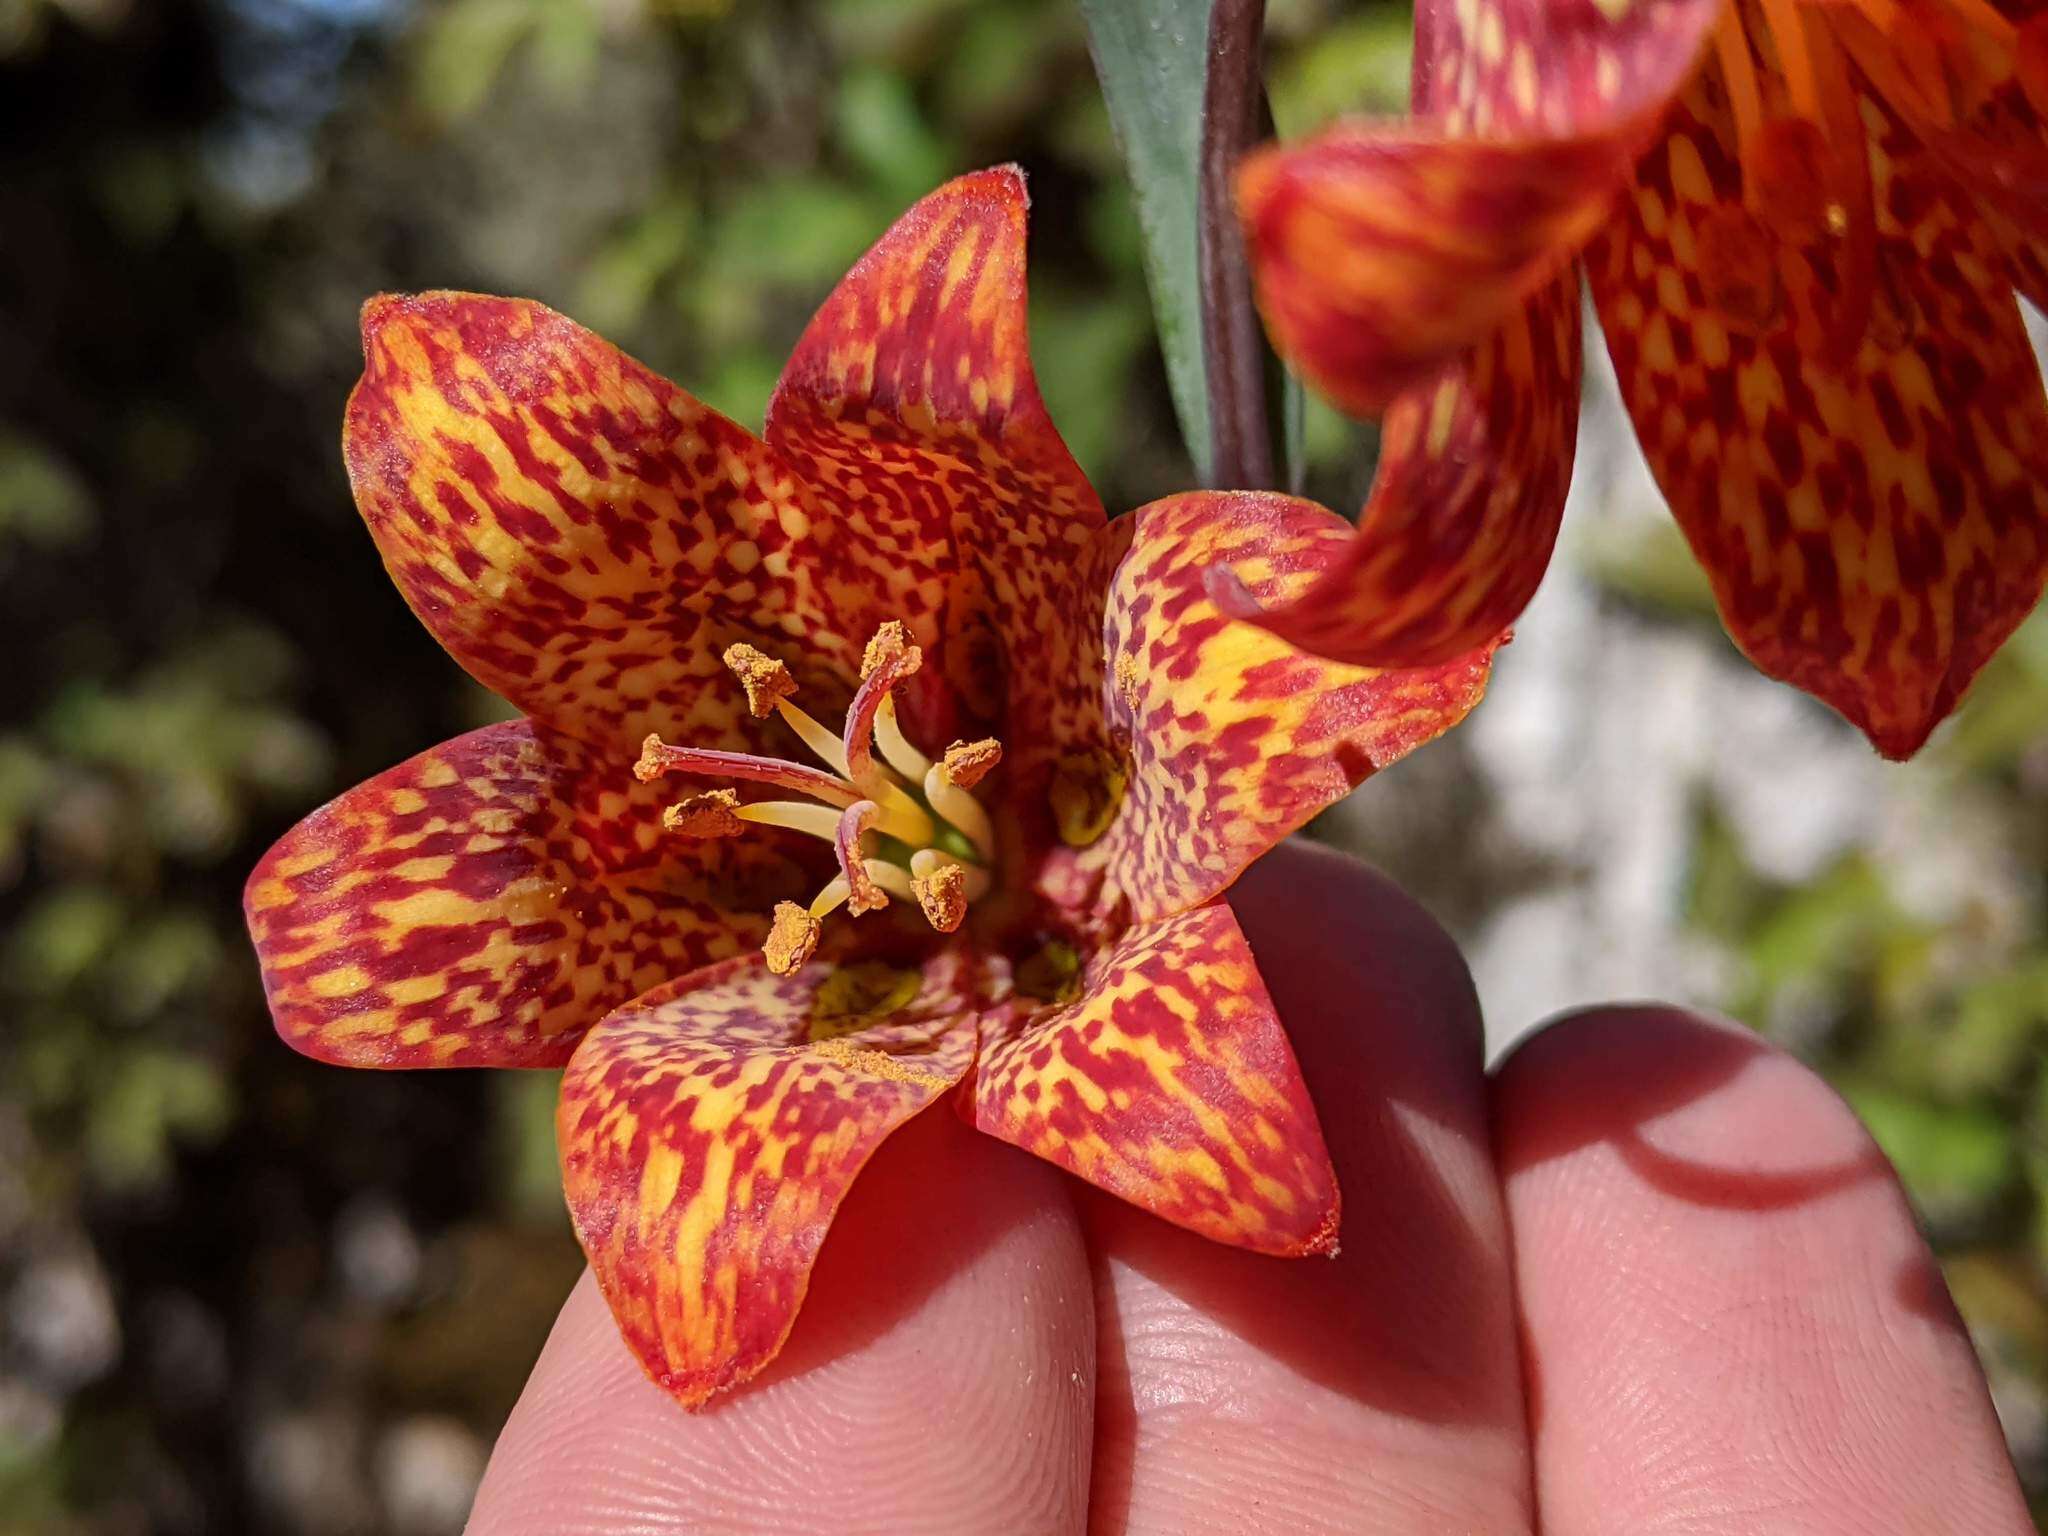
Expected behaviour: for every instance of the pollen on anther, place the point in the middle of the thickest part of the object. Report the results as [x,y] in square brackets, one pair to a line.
[792,938]
[943,896]
[649,768]
[711,814]
[967,763]
[766,680]
[890,642]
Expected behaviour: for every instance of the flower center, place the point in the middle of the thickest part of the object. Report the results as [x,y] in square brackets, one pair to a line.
[1804,144]
[900,824]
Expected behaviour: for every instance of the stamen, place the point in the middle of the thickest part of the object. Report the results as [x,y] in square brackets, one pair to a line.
[792,938]
[961,809]
[967,763]
[893,878]
[823,743]
[766,680]
[866,895]
[838,891]
[796,815]
[890,659]
[929,861]
[657,757]
[896,747]
[889,641]
[943,896]
[715,813]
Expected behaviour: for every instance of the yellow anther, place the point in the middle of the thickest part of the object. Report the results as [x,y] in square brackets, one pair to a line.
[889,642]
[715,813]
[942,895]
[792,938]
[649,768]
[766,680]
[967,763]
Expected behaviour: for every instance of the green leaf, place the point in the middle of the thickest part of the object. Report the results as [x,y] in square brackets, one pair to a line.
[1149,55]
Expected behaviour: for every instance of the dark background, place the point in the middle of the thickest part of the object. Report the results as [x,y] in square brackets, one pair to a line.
[242,1292]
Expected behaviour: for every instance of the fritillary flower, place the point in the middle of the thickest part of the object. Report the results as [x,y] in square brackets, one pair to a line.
[1803,222]
[759,942]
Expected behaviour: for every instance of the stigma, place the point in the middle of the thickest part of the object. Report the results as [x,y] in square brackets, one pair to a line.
[901,826]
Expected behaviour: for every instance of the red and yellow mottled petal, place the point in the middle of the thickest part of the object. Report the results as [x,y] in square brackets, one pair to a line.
[1169,1082]
[1474,468]
[1381,253]
[911,408]
[1235,738]
[580,534]
[710,1129]
[1874,527]
[2002,158]
[480,905]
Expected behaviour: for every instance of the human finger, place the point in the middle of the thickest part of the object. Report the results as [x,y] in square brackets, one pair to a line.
[1731,1323]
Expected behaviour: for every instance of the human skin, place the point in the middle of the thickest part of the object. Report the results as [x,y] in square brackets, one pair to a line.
[1649,1276]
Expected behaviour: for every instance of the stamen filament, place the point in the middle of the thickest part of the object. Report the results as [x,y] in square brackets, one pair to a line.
[831,898]
[796,815]
[846,843]
[892,878]
[962,810]
[896,747]
[903,817]
[657,758]
[823,743]
[888,662]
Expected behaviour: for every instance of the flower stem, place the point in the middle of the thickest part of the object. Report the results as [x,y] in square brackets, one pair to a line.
[1233,112]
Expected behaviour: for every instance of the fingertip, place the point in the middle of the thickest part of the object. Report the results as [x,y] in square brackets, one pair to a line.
[1704,1232]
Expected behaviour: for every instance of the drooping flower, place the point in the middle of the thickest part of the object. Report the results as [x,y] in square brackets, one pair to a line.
[758,943]
[1803,222]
